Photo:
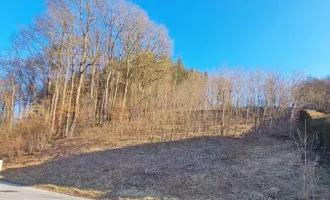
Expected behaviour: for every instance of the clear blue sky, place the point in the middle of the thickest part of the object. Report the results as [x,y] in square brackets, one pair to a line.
[207,34]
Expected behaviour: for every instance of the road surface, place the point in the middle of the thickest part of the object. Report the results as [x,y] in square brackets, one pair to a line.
[16,192]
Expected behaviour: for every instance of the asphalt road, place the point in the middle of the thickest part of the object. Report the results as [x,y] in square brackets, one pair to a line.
[15,192]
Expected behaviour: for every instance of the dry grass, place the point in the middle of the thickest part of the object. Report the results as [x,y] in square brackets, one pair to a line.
[73,191]
[119,135]
[323,191]
[312,114]
[250,167]
[152,161]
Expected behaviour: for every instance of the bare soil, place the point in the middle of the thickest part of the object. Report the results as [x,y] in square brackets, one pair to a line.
[253,166]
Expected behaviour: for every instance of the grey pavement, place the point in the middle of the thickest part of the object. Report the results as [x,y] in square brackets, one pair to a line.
[16,192]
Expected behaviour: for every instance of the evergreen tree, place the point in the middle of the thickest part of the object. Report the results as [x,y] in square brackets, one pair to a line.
[180,72]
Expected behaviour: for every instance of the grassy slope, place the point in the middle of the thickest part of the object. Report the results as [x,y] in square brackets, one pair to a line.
[102,164]
[251,167]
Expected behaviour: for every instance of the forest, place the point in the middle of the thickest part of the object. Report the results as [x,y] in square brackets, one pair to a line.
[97,79]
[105,63]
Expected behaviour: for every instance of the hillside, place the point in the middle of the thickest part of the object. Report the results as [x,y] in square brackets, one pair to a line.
[96,102]
[252,166]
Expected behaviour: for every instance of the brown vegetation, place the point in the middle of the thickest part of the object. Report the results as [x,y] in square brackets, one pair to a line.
[95,77]
[250,167]
[97,63]
[312,122]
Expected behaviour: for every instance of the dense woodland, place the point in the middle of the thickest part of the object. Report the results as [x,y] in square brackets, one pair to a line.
[89,63]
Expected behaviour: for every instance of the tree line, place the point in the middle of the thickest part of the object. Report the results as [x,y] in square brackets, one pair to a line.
[87,63]
[105,47]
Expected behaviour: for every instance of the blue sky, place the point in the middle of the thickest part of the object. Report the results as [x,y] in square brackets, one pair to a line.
[208,34]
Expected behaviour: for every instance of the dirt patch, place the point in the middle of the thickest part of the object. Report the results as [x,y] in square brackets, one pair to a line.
[251,167]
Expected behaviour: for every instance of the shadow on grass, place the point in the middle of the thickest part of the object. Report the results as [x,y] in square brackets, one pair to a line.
[197,168]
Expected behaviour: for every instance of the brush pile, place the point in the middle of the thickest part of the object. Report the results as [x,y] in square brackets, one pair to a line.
[315,125]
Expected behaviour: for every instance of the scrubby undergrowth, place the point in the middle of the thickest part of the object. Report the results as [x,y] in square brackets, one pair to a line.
[252,166]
